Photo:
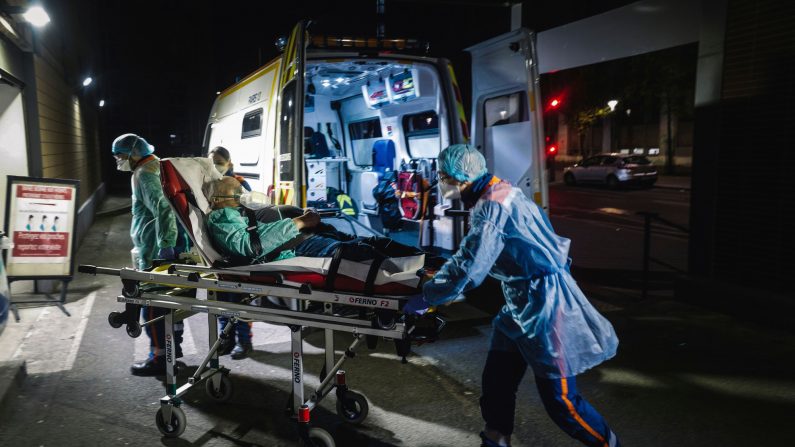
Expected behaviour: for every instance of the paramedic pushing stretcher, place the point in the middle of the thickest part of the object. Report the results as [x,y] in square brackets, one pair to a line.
[284,238]
[154,233]
[546,322]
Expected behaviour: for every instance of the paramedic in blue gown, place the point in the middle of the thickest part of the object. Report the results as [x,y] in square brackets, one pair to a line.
[239,344]
[546,323]
[154,233]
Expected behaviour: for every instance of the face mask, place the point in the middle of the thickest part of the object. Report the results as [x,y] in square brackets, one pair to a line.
[123,165]
[221,169]
[255,200]
[450,192]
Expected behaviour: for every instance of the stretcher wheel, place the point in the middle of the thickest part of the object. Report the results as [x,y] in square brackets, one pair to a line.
[353,407]
[224,392]
[320,438]
[115,320]
[131,289]
[174,427]
[134,329]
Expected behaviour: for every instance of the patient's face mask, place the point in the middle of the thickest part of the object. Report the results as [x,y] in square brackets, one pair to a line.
[221,168]
[449,192]
[255,200]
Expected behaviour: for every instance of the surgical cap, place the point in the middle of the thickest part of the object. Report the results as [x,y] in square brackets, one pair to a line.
[131,144]
[462,162]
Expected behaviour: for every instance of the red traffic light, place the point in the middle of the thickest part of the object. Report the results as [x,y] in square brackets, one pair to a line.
[552,150]
[554,103]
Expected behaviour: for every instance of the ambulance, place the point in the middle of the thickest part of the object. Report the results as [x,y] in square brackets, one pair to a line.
[340,116]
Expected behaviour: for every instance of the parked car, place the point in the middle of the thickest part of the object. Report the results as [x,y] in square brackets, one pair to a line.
[612,170]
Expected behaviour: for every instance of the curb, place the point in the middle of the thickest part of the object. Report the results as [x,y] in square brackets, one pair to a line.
[681,188]
[114,211]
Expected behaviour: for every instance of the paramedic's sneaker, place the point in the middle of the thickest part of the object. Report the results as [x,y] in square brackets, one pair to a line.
[489,443]
[241,351]
[155,366]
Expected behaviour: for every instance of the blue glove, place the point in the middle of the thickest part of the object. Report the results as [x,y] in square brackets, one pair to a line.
[167,253]
[416,305]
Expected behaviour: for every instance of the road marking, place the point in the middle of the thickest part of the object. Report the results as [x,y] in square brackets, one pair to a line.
[52,342]
[81,329]
[609,210]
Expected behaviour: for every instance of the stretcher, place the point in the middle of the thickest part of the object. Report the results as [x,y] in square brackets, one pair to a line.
[330,294]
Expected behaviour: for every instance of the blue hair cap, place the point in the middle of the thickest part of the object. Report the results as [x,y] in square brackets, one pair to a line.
[131,144]
[462,162]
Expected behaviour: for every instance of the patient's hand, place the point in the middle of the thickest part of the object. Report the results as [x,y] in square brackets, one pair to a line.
[309,219]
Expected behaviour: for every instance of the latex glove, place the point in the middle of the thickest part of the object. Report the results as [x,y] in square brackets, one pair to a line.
[167,253]
[416,305]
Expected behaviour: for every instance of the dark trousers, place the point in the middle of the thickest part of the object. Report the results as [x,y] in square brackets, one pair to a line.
[241,333]
[325,244]
[157,332]
[502,374]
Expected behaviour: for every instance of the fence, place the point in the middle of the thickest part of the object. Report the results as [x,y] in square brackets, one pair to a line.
[649,218]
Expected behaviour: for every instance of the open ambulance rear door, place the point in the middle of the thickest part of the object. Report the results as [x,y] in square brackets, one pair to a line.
[290,154]
[507,122]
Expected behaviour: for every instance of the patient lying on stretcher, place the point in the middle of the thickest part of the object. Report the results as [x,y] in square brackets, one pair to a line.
[277,233]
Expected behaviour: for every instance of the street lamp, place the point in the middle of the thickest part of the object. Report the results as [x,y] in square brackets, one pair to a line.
[87,81]
[612,104]
[102,103]
[36,16]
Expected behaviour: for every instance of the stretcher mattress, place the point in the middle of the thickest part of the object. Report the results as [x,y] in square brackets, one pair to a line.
[184,182]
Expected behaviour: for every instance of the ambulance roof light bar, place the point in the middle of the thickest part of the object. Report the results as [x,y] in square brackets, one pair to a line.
[368,43]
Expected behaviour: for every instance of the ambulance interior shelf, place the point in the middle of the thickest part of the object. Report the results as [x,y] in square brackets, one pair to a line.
[324,173]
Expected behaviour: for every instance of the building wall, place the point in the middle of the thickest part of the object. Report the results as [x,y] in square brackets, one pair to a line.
[60,115]
[628,137]
[743,191]
[67,129]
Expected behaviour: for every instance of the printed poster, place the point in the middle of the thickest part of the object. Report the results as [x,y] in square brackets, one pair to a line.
[41,221]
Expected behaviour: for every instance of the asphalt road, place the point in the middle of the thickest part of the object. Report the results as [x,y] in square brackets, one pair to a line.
[621,207]
[683,376]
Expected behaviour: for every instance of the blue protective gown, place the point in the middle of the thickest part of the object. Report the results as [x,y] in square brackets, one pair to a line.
[229,233]
[545,312]
[154,225]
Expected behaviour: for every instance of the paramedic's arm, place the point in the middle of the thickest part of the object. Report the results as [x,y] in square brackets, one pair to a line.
[472,262]
[165,222]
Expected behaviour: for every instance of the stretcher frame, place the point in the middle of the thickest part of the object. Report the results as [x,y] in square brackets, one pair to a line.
[352,406]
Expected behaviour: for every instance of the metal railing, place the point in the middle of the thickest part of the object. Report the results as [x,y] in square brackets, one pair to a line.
[648,219]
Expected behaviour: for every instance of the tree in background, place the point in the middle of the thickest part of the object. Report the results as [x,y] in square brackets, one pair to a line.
[665,80]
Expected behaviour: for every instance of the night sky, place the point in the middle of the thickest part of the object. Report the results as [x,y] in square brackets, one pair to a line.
[161,62]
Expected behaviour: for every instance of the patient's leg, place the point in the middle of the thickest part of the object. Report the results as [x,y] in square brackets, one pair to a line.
[319,246]
[356,249]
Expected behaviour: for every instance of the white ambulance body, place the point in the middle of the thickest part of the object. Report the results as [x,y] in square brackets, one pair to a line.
[320,117]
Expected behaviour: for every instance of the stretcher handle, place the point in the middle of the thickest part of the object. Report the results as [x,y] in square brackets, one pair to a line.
[456,213]
[94,270]
[328,212]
